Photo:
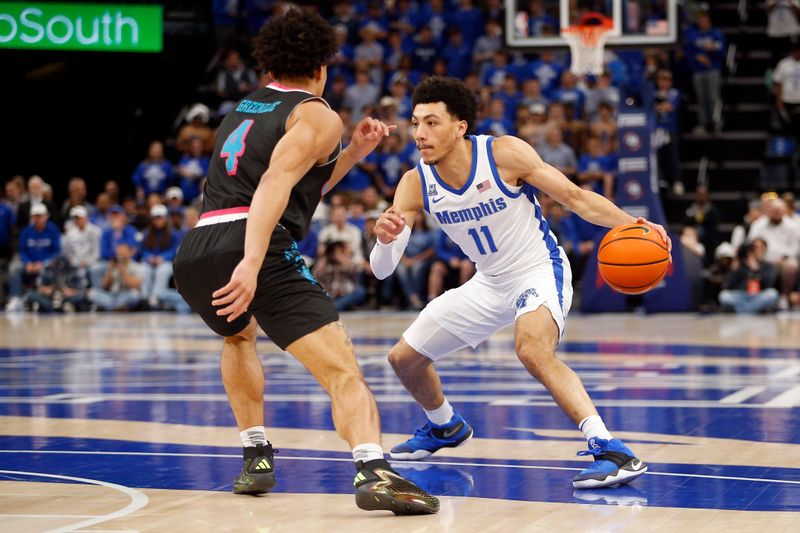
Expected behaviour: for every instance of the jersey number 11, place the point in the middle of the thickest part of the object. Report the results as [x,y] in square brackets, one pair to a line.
[479,244]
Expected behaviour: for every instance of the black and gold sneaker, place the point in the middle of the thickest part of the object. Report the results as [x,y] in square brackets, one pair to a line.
[258,472]
[379,487]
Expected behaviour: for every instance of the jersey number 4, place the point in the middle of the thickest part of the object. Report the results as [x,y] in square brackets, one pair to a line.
[479,244]
[234,146]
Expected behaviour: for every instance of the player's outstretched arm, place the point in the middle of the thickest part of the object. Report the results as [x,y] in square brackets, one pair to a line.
[517,160]
[367,135]
[313,132]
[393,227]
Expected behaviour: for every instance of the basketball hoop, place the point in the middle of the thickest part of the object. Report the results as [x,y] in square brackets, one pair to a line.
[587,40]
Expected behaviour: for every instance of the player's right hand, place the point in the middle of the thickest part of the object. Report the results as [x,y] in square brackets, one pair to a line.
[238,293]
[389,225]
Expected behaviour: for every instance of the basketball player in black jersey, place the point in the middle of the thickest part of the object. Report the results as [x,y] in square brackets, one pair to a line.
[276,155]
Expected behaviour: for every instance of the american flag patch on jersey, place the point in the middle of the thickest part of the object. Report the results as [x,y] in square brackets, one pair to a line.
[485,186]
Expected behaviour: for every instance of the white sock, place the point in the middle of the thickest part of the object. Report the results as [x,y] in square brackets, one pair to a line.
[252,436]
[441,415]
[593,426]
[367,452]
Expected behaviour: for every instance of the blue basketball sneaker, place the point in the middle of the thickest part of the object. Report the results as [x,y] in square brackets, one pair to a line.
[431,438]
[614,464]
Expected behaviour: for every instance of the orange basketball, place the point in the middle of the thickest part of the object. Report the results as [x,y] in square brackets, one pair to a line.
[632,258]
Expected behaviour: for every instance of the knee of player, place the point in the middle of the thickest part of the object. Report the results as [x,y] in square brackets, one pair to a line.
[343,381]
[534,351]
[247,335]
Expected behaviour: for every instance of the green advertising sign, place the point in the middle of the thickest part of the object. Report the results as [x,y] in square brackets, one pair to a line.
[91,27]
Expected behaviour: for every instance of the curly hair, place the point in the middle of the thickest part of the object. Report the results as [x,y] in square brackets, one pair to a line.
[294,45]
[457,98]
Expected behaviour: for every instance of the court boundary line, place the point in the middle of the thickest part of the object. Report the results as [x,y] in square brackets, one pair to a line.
[138,499]
[346,459]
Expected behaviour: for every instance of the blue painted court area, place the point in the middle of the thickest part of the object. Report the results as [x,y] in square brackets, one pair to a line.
[188,467]
[721,392]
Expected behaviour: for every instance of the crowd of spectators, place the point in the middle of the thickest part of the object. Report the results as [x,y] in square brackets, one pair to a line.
[116,253]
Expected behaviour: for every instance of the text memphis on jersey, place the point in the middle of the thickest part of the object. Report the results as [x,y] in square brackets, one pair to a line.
[483,209]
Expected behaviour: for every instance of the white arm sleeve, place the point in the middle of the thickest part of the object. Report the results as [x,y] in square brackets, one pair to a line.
[384,257]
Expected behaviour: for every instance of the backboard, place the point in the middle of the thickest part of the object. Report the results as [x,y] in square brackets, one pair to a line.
[539,23]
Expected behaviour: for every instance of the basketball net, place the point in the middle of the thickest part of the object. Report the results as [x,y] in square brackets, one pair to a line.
[587,41]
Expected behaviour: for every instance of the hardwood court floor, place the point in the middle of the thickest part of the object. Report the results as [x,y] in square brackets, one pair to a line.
[120,423]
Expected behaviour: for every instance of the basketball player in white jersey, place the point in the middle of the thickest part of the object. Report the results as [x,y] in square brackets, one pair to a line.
[481,190]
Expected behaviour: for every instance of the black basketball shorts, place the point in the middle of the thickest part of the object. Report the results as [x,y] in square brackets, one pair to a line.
[288,303]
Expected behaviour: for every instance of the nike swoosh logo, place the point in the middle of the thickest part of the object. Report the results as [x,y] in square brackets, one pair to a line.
[448,434]
[636,464]
[437,200]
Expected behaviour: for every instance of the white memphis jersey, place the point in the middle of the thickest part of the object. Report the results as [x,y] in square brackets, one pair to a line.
[499,226]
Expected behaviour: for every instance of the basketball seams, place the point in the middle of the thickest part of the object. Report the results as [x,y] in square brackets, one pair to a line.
[633,264]
[646,286]
[631,238]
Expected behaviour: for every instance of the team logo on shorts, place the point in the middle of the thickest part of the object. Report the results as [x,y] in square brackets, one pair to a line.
[432,190]
[522,301]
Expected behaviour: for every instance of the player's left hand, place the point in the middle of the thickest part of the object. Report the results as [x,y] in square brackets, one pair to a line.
[238,293]
[661,231]
[367,135]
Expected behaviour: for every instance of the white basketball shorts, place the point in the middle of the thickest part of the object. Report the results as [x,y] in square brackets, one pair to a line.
[468,315]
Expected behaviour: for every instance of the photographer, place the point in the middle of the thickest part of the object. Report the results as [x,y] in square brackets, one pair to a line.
[121,282]
[60,287]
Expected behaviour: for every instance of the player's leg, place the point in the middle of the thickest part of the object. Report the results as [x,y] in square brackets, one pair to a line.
[243,378]
[536,337]
[459,318]
[445,428]
[329,355]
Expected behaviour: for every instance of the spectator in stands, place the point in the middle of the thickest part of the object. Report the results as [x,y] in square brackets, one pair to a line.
[412,271]
[392,164]
[374,205]
[604,127]
[154,173]
[596,168]
[534,128]
[7,234]
[739,235]
[119,231]
[787,90]
[451,267]
[536,22]
[558,154]
[667,101]
[486,45]
[60,287]
[173,198]
[570,93]
[341,230]
[121,282]
[361,94]
[705,217]
[750,286]
[99,216]
[458,55]
[782,26]
[469,20]
[497,122]
[782,238]
[495,75]
[177,222]
[425,50]
[704,47]
[532,93]
[575,130]
[76,195]
[39,243]
[690,239]
[435,18]
[369,53]
[340,274]
[399,92]
[81,242]
[36,195]
[196,129]
[547,70]
[12,197]
[235,80]
[159,245]
[716,274]
[510,94]
[603,91]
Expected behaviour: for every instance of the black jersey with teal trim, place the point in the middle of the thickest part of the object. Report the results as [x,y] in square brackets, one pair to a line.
[245,141]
